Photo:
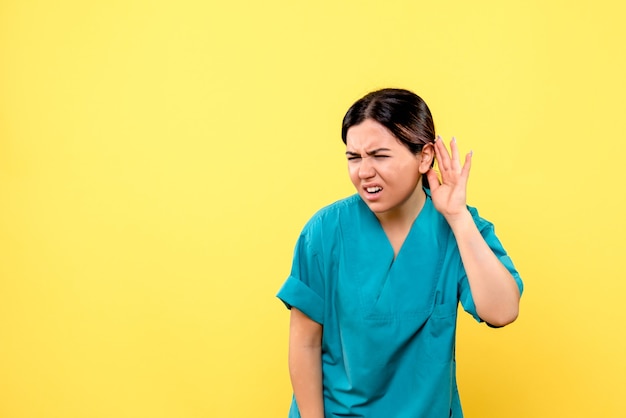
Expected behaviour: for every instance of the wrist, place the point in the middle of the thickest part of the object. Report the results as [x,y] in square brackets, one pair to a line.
[460,221]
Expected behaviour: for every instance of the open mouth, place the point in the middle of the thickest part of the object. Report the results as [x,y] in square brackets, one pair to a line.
[373,190]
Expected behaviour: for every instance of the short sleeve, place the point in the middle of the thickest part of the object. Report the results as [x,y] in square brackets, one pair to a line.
[304,288]
[487,230]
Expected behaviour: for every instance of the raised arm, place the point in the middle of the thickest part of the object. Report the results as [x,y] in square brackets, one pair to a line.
[305,364]
[493,288]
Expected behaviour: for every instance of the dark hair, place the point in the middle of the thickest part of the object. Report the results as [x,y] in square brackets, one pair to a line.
[401,111]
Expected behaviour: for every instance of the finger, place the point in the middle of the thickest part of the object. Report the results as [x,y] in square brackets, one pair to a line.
[433,179]
[443,158]
[467,165]
[455,163]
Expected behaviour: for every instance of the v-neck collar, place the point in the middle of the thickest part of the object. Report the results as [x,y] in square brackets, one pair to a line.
[388,287]
[417,224]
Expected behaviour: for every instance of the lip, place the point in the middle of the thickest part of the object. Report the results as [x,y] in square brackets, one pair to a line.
[371,196]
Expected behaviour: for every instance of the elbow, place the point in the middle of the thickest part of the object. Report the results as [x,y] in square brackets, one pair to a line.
[503,318]
[500,310]
[499,323]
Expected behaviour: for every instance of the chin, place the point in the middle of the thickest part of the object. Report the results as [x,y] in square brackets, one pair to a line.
[377,207]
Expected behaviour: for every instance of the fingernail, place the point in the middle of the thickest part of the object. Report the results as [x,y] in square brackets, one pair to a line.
[454,139]
[438,138]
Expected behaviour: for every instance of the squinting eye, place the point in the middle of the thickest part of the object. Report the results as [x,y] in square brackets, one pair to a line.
[353,158]
[382,156]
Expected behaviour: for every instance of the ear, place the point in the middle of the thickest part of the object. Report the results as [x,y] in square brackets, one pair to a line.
[428,157]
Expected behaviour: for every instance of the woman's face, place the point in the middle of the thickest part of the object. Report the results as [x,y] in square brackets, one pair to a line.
[383,170]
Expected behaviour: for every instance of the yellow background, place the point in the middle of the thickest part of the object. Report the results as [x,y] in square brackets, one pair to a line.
[158,159]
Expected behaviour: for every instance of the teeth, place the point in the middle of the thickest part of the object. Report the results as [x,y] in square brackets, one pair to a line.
[374,189]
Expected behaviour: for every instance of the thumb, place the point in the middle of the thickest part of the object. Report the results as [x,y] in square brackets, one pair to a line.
[433,180]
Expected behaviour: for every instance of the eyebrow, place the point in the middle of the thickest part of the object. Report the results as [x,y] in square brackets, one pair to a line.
[372,152]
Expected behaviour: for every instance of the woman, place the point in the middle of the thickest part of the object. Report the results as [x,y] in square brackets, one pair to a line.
[377,277]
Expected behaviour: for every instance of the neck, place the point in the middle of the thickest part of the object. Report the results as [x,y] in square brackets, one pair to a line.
[404,215]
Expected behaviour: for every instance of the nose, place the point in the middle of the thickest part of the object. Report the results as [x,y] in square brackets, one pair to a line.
[366,168]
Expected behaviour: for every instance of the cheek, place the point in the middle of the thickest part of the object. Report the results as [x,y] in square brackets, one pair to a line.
[353,172]
[406,174]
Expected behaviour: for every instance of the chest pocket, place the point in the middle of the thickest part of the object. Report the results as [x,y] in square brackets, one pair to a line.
[441,328]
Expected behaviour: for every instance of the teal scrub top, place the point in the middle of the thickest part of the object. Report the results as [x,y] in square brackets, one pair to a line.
[388,325]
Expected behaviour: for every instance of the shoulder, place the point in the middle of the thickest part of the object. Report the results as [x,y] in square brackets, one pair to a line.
[481,223]
[324,226]
[327,221]
[330,215]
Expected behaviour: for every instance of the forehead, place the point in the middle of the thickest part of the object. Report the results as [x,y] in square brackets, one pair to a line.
[370,134]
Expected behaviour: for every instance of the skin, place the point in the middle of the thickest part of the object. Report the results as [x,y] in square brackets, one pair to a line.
[305,364]
[376,159]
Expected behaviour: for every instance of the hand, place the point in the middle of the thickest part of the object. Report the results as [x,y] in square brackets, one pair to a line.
[449,194]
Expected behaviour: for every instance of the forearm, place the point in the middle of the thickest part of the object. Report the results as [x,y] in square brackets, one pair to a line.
[306,378]
[493,288]
[305,365]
